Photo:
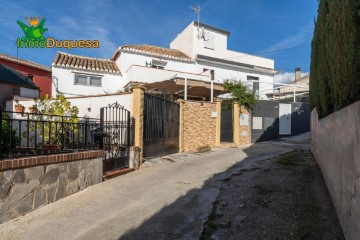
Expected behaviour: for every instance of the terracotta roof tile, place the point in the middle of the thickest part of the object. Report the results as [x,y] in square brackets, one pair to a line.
[74,61]
[154,50]
[24,62]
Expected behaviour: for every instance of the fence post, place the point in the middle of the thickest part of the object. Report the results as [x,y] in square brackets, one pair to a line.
[218,123]
[181,125]
[138,114]
[1,112]
[236,124]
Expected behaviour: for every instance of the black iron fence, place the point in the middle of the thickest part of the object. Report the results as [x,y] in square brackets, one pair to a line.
[23,134]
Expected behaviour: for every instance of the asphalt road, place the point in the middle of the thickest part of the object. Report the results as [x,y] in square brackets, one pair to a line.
[170,199]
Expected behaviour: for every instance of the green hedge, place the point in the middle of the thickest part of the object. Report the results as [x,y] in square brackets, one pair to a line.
[335,56]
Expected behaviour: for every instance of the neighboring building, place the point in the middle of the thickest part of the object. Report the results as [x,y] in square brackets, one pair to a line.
[300,86]
[81,76]
[13,83]
[39,74]
[198,58]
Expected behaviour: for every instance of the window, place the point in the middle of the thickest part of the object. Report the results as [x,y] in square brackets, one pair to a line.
[158,64]
[31,77]
[255,85]
[212,74]
[89,80]
[249,78]
[209,41]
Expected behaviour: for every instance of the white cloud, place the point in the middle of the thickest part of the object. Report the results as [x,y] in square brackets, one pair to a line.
[287,77]
[84,29]
[300,38]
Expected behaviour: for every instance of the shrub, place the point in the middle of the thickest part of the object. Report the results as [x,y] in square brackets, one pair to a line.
[335,56]
[6,134]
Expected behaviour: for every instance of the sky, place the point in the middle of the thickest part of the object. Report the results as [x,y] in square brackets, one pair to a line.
[279,29]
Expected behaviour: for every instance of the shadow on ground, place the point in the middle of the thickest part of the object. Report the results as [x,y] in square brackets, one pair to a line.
[186,217]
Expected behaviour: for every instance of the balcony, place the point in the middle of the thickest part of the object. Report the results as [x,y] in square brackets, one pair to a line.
[142,74]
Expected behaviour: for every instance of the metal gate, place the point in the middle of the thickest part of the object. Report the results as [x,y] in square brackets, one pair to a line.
[115,127]
[226,134]
[161,125]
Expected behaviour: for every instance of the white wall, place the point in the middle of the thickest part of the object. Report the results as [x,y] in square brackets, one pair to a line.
[185,42]
[65,79]
[84,103]
[28,92]
[150,75]
[127,59]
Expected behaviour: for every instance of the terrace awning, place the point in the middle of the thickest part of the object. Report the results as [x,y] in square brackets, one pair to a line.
[188,88]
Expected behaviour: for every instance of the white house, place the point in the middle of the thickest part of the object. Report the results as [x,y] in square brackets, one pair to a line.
[75,75]
[195,66]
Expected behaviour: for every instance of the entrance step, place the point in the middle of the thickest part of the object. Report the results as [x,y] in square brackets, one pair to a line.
[227,145]
[116,173]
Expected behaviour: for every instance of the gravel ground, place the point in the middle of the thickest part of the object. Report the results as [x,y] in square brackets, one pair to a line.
[280,198]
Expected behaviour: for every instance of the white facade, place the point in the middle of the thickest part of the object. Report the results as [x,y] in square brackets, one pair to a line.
[209,59]
[89,107]
[192,43]
[64,82]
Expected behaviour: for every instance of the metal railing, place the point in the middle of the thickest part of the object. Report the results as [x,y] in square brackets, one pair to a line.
[24,134]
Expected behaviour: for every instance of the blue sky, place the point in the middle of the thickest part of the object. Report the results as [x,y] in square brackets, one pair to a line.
[278,29]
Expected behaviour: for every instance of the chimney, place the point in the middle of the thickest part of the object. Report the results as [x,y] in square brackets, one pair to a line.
[297,73]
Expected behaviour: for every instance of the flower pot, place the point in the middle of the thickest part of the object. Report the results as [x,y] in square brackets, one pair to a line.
[32,109]
[51,148]
[19,109]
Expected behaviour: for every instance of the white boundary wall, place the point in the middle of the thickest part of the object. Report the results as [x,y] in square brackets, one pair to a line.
[92,103]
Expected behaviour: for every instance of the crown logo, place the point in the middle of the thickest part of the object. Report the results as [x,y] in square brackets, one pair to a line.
[33,21]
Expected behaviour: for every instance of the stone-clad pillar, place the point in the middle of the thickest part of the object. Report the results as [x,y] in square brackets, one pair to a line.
[218,122]
[138,114]
[236,124]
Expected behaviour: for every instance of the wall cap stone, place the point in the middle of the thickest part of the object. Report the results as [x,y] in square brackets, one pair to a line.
[31,161]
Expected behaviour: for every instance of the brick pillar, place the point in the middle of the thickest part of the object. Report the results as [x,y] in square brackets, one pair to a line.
[245,131]
[236,124]
[138,114]
[181,125]
[218,123]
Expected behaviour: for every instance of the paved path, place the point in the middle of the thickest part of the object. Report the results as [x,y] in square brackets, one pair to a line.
[170,200]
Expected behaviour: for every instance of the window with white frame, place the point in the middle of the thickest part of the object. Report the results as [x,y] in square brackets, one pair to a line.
[88,80]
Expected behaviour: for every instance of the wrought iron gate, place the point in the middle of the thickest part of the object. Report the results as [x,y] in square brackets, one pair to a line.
[115,126]
[226,134]
[161,125]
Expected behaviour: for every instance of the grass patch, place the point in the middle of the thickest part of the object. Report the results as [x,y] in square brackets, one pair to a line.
[210,227]
[289,158]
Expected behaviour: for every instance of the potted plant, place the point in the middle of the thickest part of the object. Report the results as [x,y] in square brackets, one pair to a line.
[32,109]
[51,148]
[19,108]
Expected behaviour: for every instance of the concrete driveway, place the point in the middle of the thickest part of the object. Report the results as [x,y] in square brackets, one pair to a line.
[170,199]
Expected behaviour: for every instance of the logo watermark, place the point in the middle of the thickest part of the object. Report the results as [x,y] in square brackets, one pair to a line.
[34,37]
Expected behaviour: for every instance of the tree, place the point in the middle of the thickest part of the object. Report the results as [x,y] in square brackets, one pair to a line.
[335,62]
[240,93]
[55,119]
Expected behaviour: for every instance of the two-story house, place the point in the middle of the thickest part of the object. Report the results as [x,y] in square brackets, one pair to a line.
[194,67]
[39,74]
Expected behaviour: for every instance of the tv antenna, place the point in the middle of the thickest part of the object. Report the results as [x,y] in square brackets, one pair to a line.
[201,31]
[197,11]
